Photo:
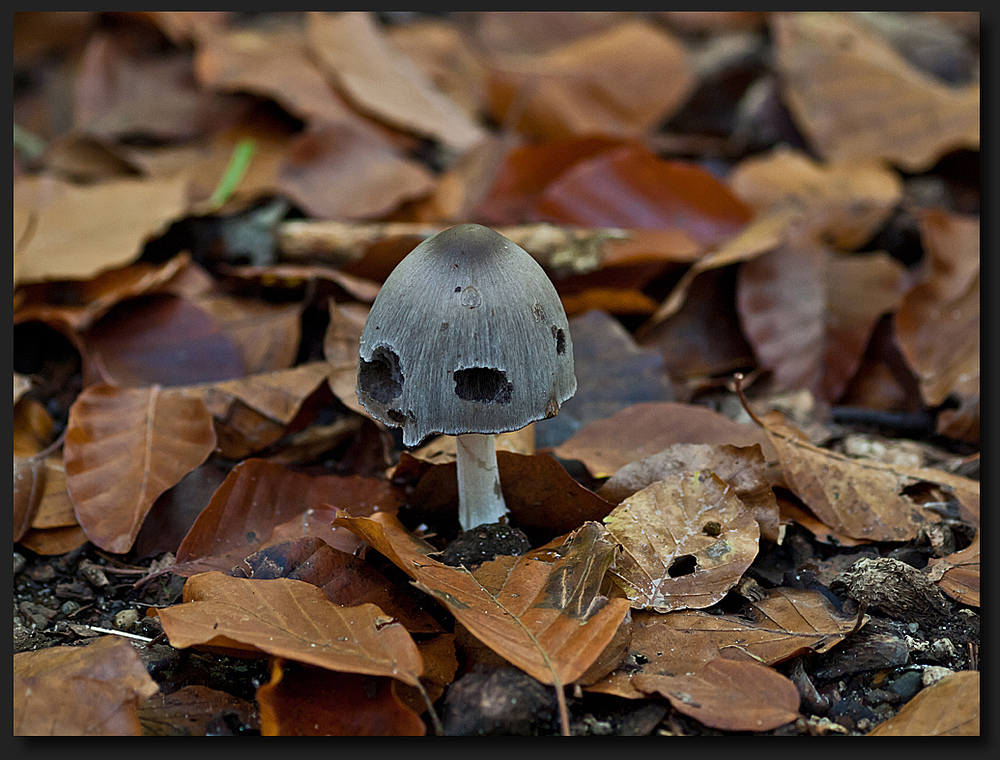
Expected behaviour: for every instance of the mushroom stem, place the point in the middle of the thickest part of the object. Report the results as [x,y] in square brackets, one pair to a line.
[480,500]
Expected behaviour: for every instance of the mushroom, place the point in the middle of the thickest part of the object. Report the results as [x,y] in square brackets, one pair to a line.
[467,337]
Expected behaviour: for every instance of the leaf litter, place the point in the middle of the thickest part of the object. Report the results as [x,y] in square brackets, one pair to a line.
[203,511]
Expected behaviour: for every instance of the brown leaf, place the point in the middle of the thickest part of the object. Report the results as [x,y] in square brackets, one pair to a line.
[948,708]
[29,485]
[809,312]
[165,340]
[90,690]
[855,97]
[863,499]
[110,222]
[267,335]
[728,695]
[349,170]
[307,701]
[124,447]
[619,82]
[958,574]
[291,619]
[938,323]
[190,710]
[743,467]
[381,81]
[53,541]
[258,496]
[685,541]
[607,445]
[341,346]
[547,619]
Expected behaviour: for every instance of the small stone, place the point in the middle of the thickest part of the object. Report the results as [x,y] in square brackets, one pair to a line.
[934,673]
[907,684]
[18,563]
[43,573]
[69,607]
[126,620]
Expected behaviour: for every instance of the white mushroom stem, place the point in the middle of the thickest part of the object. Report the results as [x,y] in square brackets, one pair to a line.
[480,499]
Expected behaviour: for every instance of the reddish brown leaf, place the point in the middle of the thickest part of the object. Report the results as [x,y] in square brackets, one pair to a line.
[258,496]
[190,711]
[306,701]
[267,335]
[291,619]
[165,340]
[29,485]
[53,541]
[958,574]
[732,696]
[685,541]
[124,447]
[631,187]
[640,430]
[948,708]
[547,619]
[89,690]
[854,96]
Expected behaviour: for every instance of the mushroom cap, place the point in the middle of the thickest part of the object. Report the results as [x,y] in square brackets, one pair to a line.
[466,335]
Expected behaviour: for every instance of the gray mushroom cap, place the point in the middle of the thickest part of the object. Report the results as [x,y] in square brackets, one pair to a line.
[466,335]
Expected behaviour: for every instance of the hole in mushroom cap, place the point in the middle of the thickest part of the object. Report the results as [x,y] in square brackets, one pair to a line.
[381,377]
[682,565]
[560,335]
[483,384]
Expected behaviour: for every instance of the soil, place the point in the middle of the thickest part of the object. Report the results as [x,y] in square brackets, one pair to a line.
[913,635]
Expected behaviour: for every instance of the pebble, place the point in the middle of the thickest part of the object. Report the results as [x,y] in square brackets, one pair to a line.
[906,684]
[934,673]
[18,563]
[126,620]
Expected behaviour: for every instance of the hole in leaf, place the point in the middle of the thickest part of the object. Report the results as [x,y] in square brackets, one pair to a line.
[483,384]
[682,565]
[381,377]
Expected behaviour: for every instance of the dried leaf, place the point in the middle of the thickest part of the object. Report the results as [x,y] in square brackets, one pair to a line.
[110,222]
[267,335]
[341,347]
[190,710]
[743,467]
[258,496]
[607,445]
[862,499]
[948,708]
[29,484]
[548,618]
[728,695]
[685,541]
[306,701]
[124,447]
[855,97]
[381,81]
[90,690]
[619,82]
[291,619]
[165,340]
[958,574]
[54,541]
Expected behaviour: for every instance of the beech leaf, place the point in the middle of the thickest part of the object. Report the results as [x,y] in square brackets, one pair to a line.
[124,447]
[292,619]
[685,540]
[951,707]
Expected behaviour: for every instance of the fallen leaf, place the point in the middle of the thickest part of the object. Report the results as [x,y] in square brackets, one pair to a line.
[728,695]
[948,708]
[938,322]
[124,447]
[383,82]
[300,700]
[110,223]
[547,619]
[55,509]
[341,349]
[53,541]
[621,82]
[191,710]
[685,541]
[743,467]
[958,574]
[855,97]
[258,496]
[267,335]
[89,690]
[29,484]
[290,619]
[640,430]
[165,340]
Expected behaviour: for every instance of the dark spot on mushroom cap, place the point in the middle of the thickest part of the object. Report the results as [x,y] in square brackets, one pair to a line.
[381,378]
[483,384]
[560,335]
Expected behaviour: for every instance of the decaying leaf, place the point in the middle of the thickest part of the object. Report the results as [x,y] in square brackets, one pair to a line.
[290,619]
[548,619]
[90,690]
[948,708]
[685,541]
[190,710]
[124,447]
[958,574]
[300,700]
[733,696]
